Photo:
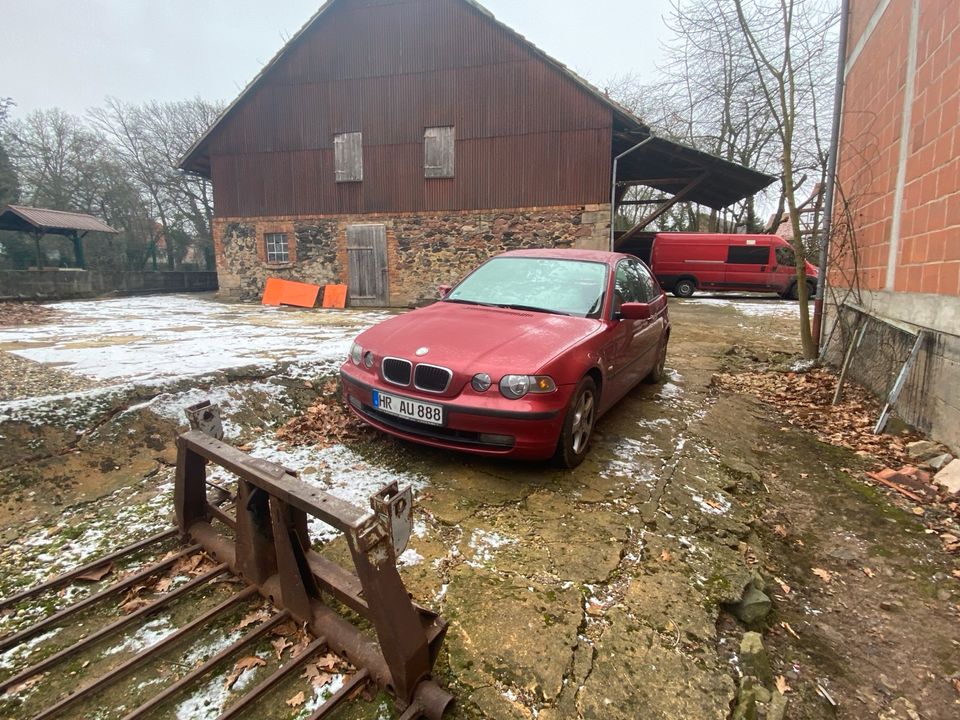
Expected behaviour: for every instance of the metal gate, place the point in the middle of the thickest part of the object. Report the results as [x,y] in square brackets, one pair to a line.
[367,265]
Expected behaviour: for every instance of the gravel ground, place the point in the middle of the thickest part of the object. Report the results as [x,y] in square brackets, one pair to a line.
[20,378]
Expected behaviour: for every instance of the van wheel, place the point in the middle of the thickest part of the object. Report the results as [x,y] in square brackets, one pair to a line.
[578,425]
[684,288]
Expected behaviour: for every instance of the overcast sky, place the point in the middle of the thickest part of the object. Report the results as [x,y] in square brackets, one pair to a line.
[74,53]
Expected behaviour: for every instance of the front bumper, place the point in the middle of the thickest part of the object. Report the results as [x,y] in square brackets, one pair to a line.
[487,424]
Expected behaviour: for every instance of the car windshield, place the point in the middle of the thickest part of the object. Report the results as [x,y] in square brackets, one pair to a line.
[552,285]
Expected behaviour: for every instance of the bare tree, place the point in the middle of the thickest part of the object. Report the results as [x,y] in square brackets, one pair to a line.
[149,140]
[785,40]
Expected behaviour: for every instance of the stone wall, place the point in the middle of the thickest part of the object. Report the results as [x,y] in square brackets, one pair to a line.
[423,250]
[69,284]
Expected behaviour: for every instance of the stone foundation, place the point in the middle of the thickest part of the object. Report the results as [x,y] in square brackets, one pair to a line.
[423,250]
[930,400]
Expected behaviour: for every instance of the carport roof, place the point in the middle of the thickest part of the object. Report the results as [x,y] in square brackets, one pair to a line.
[670,166]
[20,218]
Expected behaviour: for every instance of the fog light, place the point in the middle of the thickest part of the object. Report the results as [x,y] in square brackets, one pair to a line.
[481,382]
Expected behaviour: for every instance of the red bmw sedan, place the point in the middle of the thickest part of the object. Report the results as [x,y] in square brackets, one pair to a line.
[519,359]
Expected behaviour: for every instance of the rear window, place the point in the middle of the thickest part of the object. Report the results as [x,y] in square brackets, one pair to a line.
[748,254]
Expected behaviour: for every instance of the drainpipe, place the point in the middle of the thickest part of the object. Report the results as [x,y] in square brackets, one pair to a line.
[829,190]
[613,187]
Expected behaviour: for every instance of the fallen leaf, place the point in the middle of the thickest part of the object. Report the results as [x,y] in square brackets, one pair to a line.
[163,584]
[297,700]
[96,574]
[26,684]
[868,572]
[665,555]
[243,664]
[316,676]
[782,686]
[328,662]
[783,585]
[824,575]
[280,645]
[254,617]
[919,511]
[804,476]
[779,531]
[285,629]
[133,604]
[786,626]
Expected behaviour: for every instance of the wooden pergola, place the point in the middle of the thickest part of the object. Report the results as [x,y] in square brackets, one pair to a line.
[40,221]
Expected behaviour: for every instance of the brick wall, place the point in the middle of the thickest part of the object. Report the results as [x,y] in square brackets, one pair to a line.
[899,172]
[423,250]
[927,232]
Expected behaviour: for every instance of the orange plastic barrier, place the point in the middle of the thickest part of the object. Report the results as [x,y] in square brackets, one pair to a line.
[335,296]
[287,292]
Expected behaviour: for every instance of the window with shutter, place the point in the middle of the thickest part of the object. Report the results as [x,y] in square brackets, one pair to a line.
[438,152]
[348,156]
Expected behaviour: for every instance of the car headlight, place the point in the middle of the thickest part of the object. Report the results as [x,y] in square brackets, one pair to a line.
[515,387]
[481,382]
[356,353]
[368,359]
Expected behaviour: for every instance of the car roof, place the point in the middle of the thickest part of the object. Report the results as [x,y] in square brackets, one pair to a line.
[602,256]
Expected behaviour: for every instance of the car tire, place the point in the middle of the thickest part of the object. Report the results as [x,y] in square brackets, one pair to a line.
[794,292]
[659,371]
[578,425]
[684,288]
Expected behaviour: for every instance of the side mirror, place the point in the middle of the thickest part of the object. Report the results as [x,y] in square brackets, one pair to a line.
[635,311]
[444,290]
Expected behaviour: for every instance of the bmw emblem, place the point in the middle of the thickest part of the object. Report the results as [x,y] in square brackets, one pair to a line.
[422,351]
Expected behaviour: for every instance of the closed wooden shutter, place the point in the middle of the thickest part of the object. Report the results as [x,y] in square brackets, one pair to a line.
[348,156]
[438,152]
[367,265]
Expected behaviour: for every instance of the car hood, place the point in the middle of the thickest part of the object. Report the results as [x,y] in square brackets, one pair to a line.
[472,338]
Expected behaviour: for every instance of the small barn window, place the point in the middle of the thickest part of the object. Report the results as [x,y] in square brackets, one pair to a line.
[348,156]
[278,248]
[438,156]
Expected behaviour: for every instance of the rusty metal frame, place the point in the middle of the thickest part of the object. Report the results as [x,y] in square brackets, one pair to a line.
[270,548]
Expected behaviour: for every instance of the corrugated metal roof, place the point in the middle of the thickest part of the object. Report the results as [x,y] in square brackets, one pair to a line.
[51,221]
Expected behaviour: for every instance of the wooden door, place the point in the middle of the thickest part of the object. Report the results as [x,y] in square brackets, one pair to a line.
[367,265]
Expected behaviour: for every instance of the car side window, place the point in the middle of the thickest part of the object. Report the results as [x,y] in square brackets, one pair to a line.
[748,254]
[630,285]
[786,256]
[651,289]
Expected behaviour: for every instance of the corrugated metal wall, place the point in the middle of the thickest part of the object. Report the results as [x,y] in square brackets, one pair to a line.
[525,134]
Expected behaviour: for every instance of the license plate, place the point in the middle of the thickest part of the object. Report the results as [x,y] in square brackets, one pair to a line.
[406,408]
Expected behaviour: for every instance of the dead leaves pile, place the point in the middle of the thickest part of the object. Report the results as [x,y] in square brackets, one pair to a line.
[13,314]
[805,401]
[327,422]
[189,565]
[289,641]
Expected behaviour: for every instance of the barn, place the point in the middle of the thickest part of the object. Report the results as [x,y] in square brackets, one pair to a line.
[393,144]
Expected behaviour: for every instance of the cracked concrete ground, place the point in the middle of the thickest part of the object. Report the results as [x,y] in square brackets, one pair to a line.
[598,592]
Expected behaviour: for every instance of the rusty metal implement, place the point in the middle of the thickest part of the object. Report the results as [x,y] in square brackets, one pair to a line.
[268,546]
[265,543]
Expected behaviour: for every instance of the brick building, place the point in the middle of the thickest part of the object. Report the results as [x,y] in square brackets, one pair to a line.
[899,172]
[393,144]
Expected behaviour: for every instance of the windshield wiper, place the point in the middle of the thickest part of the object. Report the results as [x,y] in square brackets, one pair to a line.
[459,301]
[533,309]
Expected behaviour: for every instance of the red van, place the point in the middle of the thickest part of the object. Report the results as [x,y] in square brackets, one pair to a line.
[687,262]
